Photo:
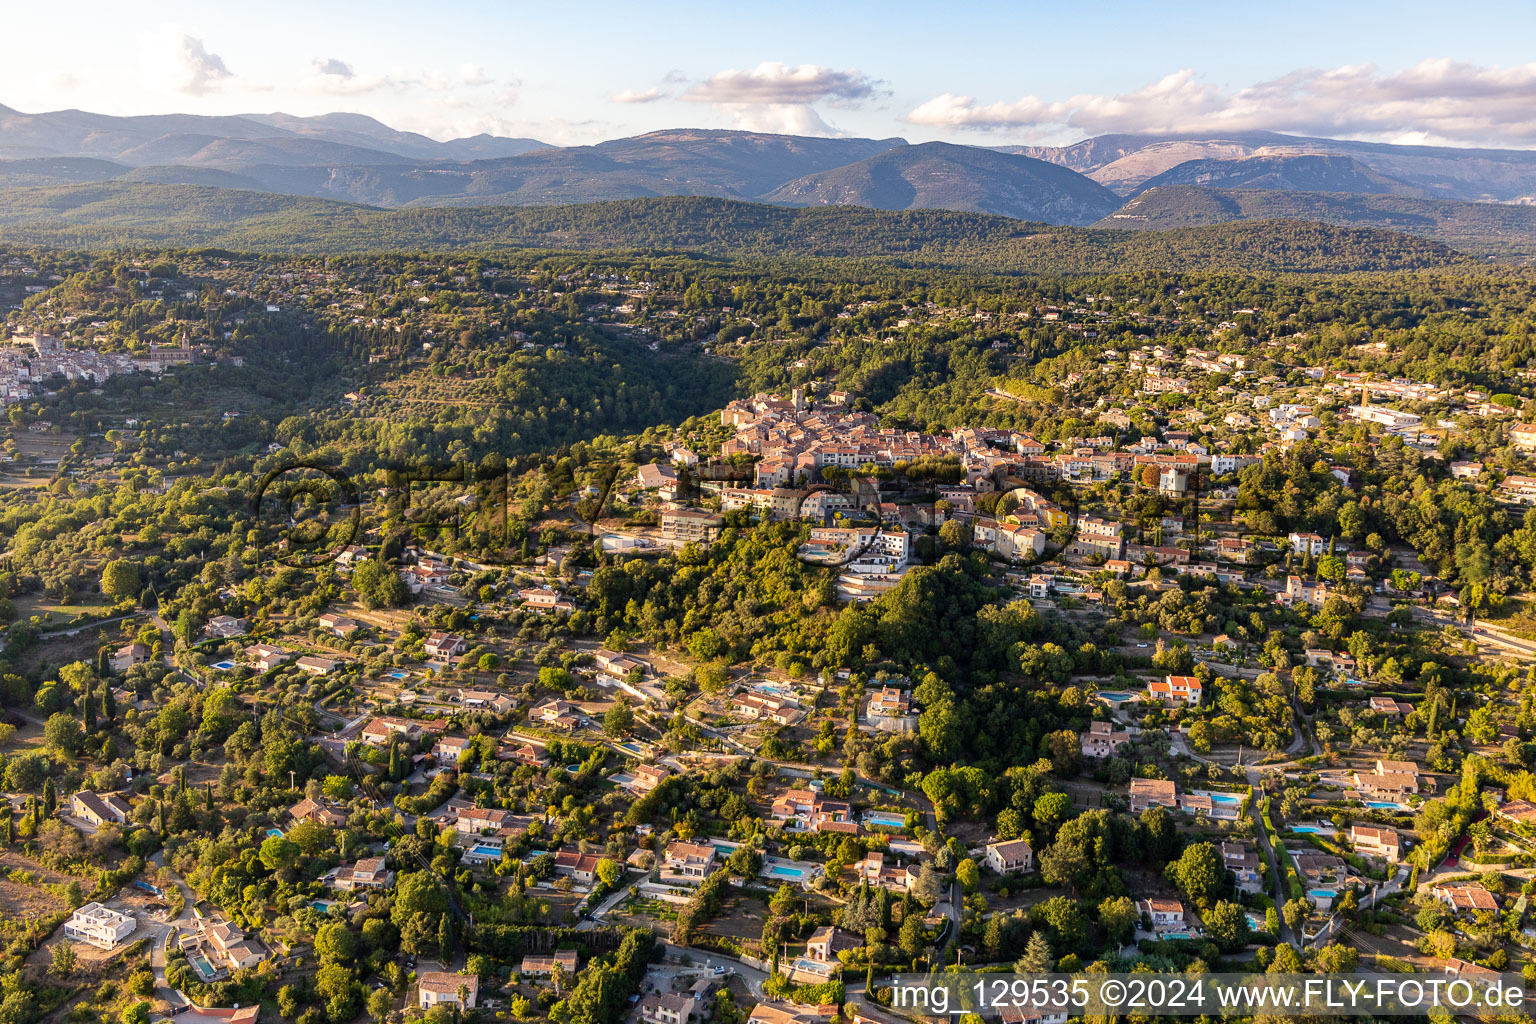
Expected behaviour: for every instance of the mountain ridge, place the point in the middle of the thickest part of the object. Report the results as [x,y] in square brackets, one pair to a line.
[1306,172]
[942,176]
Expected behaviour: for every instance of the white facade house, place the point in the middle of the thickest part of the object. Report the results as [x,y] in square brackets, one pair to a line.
[99,926]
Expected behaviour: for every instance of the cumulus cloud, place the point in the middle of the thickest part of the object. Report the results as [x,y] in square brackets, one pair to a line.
[181,61]
[473,74]
[779,97]
[779,84]
[638,95]
[1433,101]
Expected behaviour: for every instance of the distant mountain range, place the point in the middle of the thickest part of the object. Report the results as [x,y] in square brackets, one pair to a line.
[202,141]
[1305,173]
[1133,181]
[1126,162]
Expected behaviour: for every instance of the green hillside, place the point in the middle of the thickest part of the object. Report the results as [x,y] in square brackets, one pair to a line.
[1478,227]
[118,214]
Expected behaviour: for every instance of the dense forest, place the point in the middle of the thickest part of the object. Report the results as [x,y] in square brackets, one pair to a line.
[108,214]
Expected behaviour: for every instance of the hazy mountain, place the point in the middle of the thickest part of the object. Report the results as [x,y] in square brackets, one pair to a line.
[195,138]
[368,133]
[357,158]
[686,161]
[1303,173]
[1100,151]
[119,214]
[1125,162]
[1482,227]
[940,176]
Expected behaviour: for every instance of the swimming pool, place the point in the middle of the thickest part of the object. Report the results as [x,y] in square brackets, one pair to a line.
[224,666]
[1221,798]
[275,833]
[1115,696]
[203,965]
[1176,935]
[486,851]
[1254,924]
[1384,805]
[397,675]
[780,871]
[321,905]
[1310,830]
[1324,895]
[884,820]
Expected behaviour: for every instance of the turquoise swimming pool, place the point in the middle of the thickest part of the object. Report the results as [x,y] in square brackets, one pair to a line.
[1115,696]
[780,871]
[1221,798]
[883,820]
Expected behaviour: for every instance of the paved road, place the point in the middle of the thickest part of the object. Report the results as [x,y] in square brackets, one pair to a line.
[608,905]
[1256,782]
[183,923]
[751,975]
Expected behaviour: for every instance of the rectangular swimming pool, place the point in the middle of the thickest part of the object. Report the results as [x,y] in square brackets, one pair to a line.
[780,871]
[884,820]
[1221,798]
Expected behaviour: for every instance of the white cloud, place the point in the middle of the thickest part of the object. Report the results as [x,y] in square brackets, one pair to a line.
[181,62]
[1433,101]
[330,66]
[779,84]
[473,74]
[638,95]
[776,97]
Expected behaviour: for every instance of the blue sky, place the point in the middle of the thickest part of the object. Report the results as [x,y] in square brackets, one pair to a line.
[966,72]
